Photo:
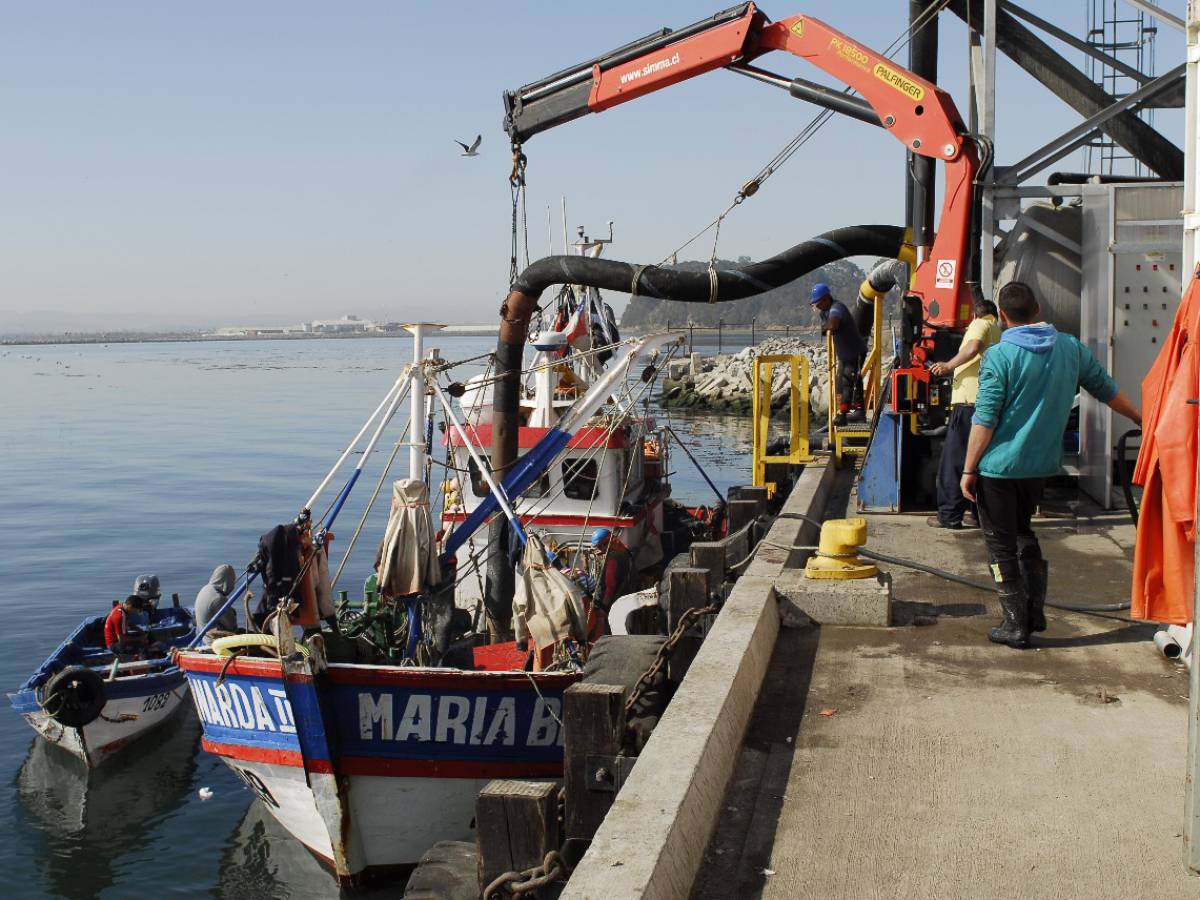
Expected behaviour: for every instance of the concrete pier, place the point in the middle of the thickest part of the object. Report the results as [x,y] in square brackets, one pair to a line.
[914,760]
[920,761]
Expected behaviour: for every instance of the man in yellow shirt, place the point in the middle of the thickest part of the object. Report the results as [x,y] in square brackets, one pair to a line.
[954,510]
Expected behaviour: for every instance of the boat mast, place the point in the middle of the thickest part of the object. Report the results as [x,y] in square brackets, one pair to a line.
[416,424]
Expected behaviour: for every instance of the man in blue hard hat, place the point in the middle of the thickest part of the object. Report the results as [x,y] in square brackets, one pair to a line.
[850,349]
[616,567]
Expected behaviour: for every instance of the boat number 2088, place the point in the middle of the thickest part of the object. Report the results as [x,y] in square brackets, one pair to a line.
[156,701]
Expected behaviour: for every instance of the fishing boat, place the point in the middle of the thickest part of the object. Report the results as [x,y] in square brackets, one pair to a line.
[369,737]
[93,705]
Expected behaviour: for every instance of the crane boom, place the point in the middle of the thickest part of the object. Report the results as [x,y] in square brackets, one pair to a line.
[915,111]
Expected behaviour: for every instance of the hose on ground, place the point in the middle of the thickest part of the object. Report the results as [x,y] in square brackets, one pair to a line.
[959,579]
[981,586]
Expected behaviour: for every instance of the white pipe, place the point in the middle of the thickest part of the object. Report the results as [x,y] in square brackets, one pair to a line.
[416,436]
[387,398]
[1167,645]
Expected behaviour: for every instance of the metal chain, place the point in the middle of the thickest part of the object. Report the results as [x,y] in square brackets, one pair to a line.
[517,884]
[665,651]
[516,183]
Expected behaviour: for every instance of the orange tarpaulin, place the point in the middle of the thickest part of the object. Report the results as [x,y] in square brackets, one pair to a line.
[1166,468]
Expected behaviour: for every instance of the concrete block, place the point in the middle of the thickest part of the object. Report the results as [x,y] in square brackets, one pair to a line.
[860,601]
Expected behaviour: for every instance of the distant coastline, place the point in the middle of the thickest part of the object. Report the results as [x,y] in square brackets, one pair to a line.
[705,335]
[170,337]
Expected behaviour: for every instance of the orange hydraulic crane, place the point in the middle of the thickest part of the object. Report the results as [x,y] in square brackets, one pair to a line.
[917,112]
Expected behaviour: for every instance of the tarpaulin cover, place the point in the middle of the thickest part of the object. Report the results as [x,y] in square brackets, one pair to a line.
[1163,575]
[408,563]
[547,605]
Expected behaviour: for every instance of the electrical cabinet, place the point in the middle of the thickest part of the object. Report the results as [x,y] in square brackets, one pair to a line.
[1132,262]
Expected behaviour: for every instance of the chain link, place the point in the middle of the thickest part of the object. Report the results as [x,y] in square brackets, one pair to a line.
[665,651]
[517,884]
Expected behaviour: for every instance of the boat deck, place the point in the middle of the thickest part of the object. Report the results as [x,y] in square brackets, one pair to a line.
[920,761]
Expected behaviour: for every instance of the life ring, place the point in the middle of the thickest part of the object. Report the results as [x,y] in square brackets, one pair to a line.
[74,696]
[226,645]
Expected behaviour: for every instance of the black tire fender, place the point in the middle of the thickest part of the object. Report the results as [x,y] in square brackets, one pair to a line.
[449,870]
[622,659]
[74,697]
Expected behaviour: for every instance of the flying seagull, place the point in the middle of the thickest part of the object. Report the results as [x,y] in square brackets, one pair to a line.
[473,150]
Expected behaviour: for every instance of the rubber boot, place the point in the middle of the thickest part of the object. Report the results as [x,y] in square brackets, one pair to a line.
[1035,575]
[1014,627]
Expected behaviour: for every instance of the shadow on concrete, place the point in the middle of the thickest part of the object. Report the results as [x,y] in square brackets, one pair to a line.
[913,612]
[740,848]
[1134,632]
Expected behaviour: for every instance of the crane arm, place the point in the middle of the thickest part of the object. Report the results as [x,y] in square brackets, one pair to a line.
[915,111]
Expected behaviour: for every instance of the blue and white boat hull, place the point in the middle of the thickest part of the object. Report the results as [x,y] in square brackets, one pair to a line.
[135,705]
[367,766]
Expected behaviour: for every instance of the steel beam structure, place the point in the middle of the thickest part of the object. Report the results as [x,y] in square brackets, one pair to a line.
[1041,61]
[1072,40]
[1072,139]
[1191,823]
[1159,13]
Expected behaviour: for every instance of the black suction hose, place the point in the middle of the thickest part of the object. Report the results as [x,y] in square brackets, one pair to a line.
[712,285]
[1123,473]
[707,286]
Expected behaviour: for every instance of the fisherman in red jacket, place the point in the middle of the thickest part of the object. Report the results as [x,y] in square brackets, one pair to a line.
[120,641]
[617,567]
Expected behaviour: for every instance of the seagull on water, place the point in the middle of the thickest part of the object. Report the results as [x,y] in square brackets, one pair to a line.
[473,150]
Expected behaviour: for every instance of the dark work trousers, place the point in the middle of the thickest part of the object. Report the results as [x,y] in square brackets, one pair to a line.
[951,502]
[1006,506]
[850,385]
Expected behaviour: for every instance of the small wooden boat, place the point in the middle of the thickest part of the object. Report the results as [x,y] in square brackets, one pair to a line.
[92,705]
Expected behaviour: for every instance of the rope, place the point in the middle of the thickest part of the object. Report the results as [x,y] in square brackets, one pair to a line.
[370,504]
[750,188]
[637,276]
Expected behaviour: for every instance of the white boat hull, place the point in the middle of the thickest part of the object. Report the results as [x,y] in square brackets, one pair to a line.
[121,722]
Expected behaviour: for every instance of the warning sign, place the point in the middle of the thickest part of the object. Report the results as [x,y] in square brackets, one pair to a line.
[945,273]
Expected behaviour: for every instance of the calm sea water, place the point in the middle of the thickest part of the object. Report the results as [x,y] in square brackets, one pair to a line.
[172,458]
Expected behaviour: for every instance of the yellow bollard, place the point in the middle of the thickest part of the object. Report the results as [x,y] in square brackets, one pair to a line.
[837,551]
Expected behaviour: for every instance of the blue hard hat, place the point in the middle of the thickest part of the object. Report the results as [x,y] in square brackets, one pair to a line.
[600,535]
[820,291]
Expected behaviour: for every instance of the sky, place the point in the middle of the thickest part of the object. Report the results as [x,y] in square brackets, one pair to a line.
[265,163]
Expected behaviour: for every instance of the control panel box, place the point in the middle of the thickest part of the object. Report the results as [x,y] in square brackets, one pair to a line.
[1132,262]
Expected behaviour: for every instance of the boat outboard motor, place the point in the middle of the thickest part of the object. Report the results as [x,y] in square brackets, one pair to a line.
[147,587]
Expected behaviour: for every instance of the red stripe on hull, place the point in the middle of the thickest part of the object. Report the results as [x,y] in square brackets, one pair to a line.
[268,755]
[388,768]
[586,438]
[205,662]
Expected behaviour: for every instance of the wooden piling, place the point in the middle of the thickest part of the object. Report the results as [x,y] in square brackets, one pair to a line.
[710,556]
[686,589]
[594,724]
[516,825]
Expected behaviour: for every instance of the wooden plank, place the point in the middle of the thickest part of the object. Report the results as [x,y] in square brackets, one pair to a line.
[594,725]
[741,514]
[710,556]
[686,589]
[516,825]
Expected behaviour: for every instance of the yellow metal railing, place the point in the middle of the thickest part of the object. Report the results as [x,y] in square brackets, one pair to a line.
[763,378]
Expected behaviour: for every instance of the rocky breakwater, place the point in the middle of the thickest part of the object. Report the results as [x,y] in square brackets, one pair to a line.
[724,383]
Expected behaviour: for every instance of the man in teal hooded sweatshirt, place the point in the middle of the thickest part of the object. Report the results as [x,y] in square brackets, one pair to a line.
[1027,385]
